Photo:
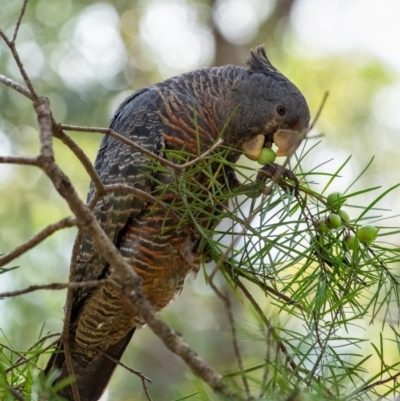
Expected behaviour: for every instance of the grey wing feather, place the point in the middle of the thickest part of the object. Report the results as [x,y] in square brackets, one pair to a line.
[118,163]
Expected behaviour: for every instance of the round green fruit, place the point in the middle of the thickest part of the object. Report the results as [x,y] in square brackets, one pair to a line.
[351,242]
[322,227]
[267,156]
[335,200]
[344,216]
[367,233]
[333,221]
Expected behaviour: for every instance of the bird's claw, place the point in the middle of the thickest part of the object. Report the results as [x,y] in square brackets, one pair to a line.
[278,174]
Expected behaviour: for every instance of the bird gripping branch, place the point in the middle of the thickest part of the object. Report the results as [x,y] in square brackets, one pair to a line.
[187,112]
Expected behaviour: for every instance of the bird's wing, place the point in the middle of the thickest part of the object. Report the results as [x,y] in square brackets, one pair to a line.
[118,163]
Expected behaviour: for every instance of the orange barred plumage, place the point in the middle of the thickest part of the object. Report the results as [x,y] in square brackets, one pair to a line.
[170,115]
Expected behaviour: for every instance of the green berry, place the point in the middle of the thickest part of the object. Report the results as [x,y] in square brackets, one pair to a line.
[344,216]
[267,156]
[367,233]
[322,227]
[351,242]
[335,200]
[333,221]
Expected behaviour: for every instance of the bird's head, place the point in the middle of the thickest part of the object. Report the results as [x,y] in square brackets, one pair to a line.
[269,108]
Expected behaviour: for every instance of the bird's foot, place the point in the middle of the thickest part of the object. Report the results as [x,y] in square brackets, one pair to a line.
[282,176]
[276,173]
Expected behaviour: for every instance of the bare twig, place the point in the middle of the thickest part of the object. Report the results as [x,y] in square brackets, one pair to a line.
[203,156]
[58,286]
[18,396]
[134,145]
[109,131]
[24,161]
[236,345]
[68,360]
[80,155]
[21,357]
[26,360]
[11,46]
[140,194]
[16,86]
[37,239]
[319,111]
[142,377]
[268,325]
[280,345]
[68,312]
[17,25]
[393,378]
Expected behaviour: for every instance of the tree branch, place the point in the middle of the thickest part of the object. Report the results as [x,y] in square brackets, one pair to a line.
[17,25]
[16,86]
[58,286]
[132,289]
[37,239]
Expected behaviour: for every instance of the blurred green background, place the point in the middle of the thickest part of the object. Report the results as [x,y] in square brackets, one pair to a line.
[87,56]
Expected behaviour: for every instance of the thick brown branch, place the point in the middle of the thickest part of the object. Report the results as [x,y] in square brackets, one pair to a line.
[43,112]
[175,342]
[132,289]
[37,239]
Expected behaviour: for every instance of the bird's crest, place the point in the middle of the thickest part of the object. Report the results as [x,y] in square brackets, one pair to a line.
[258,61]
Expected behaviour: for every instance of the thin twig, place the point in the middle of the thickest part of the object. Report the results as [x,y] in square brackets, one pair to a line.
[37,239]
[203,156]
[22,362]
[236,346]
[134,145]
[11,46]
[377,383]
[24,161]
[17,25]
[68,312]
[280,345]
[140,194]
[320,108]
[18,396]
[21,357]
[16,86]
[80,155]
[58,286]
[268,325]
[70,368]
[267,362]
[142,377]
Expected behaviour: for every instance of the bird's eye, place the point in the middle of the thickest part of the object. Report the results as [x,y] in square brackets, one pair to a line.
[281,110]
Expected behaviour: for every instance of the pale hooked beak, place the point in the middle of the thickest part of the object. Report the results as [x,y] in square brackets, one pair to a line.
[287,142]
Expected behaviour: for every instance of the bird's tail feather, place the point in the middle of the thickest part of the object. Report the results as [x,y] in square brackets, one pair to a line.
[91,380]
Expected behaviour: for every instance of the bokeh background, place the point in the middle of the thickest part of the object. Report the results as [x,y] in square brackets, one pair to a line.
[87,56]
